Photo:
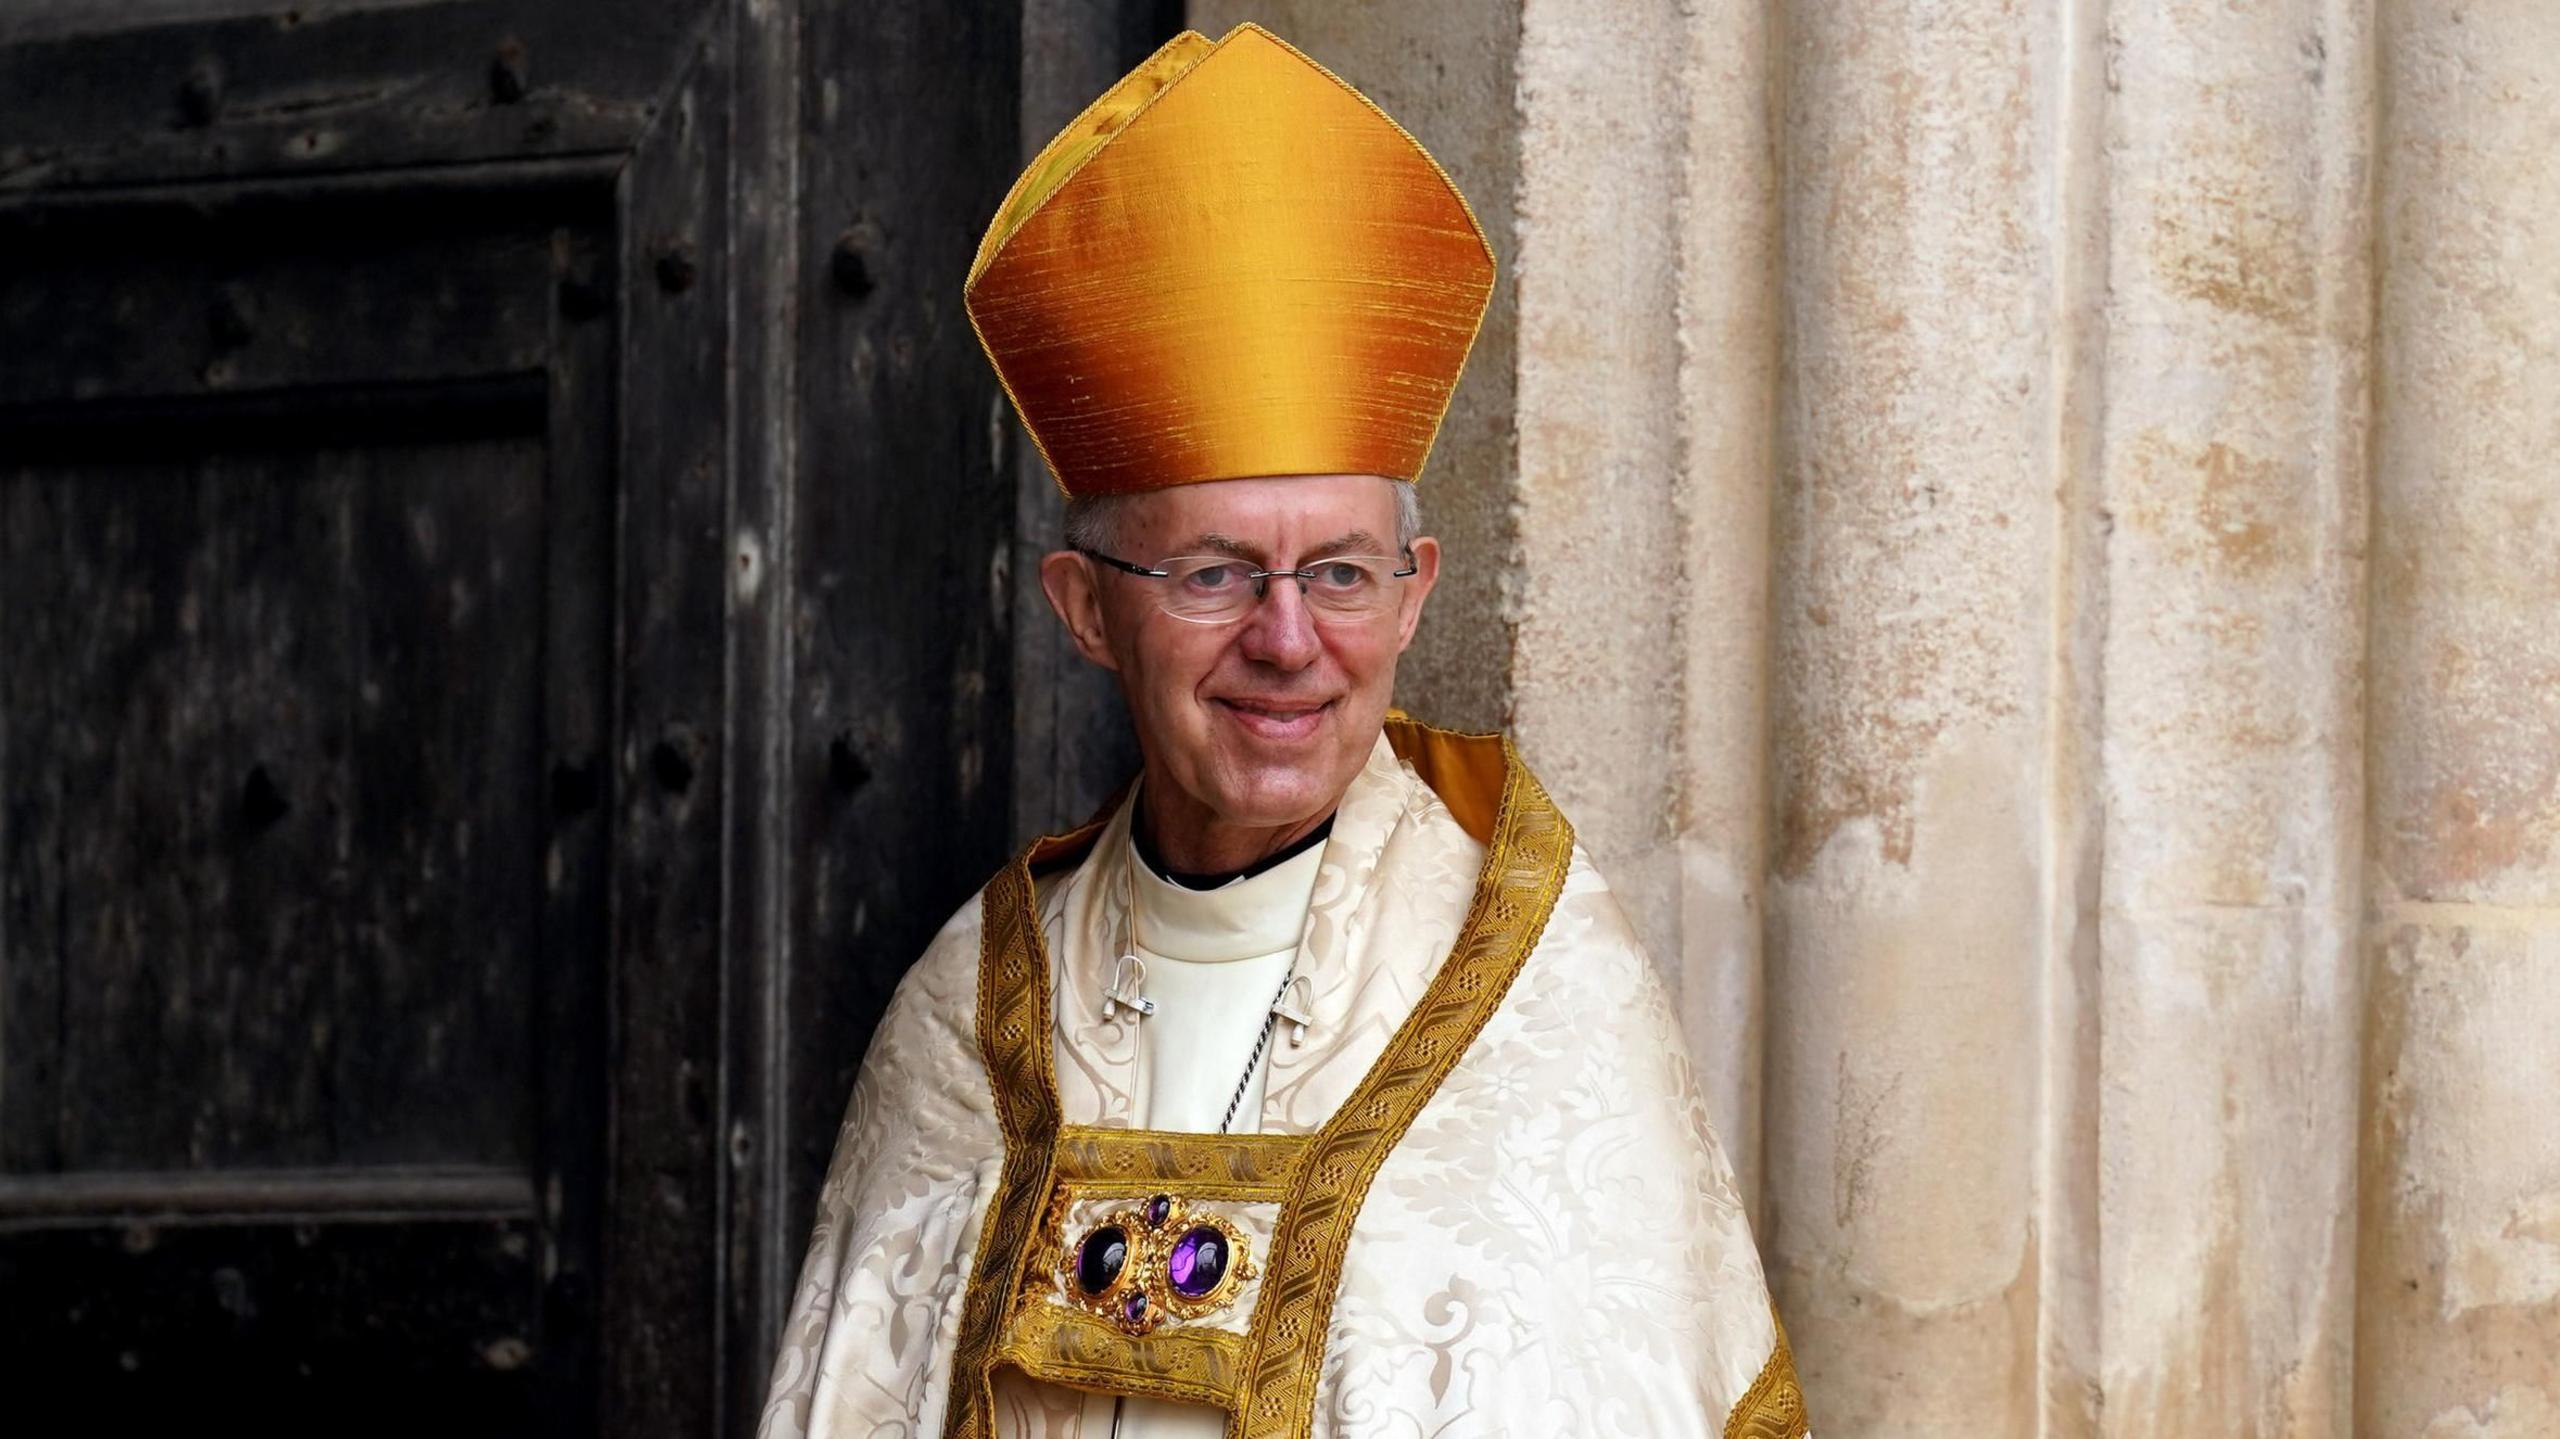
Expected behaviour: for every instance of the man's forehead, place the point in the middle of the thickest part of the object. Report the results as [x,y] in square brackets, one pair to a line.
[1337,513]
[1234,505]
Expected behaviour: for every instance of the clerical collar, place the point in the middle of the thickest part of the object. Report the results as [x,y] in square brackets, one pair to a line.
[1246,918]
[1145,844]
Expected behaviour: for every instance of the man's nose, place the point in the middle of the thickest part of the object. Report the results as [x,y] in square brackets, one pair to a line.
[1280,631]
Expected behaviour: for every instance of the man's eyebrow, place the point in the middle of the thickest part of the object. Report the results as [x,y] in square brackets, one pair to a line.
[1211,542]
[1355,542]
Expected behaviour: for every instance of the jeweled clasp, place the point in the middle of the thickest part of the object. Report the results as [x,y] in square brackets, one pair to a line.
[1158,1262]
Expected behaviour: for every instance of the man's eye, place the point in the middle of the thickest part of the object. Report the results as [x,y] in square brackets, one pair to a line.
[1341,575]
[1212,578]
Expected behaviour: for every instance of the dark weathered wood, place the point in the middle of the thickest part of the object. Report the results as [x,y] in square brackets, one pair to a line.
[316,1327]
[305,682]
[378,1192]
[317,88]
[901,586]
[661,1237]
[580,798]
[597,685]
[295,863]
[163,301]
[444,552]
[179,427]
[773,285]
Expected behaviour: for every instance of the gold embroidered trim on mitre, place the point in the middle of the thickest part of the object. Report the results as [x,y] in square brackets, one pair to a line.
[1265,1379]
[1773,1407]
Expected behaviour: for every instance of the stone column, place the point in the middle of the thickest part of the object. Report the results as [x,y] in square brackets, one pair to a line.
[1914,604]
[2458,1332]
[1596,683]
[1727,317]
[2235,376]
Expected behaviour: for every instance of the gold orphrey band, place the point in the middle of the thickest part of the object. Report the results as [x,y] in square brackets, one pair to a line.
[1527,854]
[1013,1038]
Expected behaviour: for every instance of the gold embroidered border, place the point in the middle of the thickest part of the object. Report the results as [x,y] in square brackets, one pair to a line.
[1223,1166]
[1013,1040]
[1773,1407]
[1524,870]
[1070,1347]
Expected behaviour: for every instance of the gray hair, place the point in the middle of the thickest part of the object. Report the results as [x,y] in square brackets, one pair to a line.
[1093,521]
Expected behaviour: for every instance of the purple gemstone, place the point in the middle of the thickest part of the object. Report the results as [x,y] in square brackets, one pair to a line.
[1158,1209]
[1100,1257]
[1198,1262]
[1135,1306]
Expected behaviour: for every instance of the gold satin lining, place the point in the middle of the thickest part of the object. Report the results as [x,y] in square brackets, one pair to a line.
[1266,1379]
[1232,265]
[1465,770]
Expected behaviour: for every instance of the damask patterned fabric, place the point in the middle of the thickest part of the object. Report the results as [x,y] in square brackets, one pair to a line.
[1553,1248]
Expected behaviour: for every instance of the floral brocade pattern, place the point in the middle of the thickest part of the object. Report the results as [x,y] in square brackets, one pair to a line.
[1516,890]
[1556,1246]
[1553,1247]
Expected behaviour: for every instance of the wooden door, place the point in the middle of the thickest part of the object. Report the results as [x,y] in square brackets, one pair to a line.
[311,489]
[304,625]
[505,594]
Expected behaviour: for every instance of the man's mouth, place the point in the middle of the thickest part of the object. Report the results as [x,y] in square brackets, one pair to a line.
[1276,719]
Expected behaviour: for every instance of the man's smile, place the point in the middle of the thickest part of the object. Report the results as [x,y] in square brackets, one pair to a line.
[1275,719]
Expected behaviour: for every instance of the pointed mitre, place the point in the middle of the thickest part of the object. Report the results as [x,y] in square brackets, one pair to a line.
[1230,265]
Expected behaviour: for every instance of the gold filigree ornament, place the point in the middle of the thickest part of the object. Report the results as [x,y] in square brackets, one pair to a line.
[1154,1261]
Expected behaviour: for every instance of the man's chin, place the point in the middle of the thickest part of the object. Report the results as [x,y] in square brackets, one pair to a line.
[1267,791]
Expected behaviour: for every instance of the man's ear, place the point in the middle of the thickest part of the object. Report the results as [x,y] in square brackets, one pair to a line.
[1417,588]
[1067,578]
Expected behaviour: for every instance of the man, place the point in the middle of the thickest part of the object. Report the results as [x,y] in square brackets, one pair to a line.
[1318,1087]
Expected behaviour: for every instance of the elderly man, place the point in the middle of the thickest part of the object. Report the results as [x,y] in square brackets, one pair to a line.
[1318,1086]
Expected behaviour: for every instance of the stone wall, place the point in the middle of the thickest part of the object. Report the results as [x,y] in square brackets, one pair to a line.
[2026,537]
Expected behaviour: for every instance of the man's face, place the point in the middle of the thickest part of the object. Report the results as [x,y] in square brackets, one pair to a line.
[1260,722]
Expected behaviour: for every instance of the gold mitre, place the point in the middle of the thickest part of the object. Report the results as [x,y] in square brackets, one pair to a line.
[1232,264]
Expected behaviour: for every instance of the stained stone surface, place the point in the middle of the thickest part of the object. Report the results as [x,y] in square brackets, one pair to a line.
[2028,551]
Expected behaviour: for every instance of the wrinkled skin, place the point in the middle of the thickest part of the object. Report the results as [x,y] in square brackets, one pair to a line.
[1250,730]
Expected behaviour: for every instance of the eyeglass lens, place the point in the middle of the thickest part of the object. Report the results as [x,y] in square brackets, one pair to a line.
[1209,587]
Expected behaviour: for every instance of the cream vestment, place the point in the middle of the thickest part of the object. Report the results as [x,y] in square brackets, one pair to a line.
[1483,1200]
